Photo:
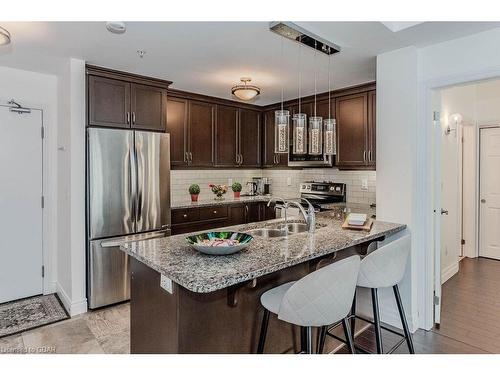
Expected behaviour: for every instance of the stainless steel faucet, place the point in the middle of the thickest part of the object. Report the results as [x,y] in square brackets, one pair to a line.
[309,216]
[283,206]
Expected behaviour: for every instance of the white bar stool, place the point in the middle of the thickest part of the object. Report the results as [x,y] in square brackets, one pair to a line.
[322,298]
[382,268]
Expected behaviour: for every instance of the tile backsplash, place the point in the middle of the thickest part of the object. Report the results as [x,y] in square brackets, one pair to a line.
[285,182]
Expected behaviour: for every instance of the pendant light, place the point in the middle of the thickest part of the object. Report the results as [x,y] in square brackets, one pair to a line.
[330,123]
[281,119]
[299,124]
[315,122]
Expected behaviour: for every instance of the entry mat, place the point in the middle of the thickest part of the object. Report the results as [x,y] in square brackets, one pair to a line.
[28,313]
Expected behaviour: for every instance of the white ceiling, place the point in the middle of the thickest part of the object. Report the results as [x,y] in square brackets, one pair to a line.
[210,57]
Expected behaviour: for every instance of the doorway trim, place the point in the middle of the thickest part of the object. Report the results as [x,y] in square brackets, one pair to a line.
[425,184]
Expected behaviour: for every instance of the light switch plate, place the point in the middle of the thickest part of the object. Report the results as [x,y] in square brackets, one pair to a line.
[289,181]
[166,284]
[364,184]
[229,182]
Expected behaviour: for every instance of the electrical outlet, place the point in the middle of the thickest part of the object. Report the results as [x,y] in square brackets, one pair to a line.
[289,181]
[229,181]
[364,184]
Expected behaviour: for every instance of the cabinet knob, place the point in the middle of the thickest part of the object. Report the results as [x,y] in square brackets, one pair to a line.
[215,211]
[185,216]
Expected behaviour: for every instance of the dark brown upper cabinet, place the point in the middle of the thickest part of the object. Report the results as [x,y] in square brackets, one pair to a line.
[108,102]
[249,138]
[122,100]
[177,121]
[353,144]
[270,159]
[201,134]
[226,137]
[372,128]
[149,107]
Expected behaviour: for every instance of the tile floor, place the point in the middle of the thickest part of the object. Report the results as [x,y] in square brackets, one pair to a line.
[102,331]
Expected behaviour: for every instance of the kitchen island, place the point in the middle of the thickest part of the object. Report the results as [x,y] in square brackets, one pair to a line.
[183,301]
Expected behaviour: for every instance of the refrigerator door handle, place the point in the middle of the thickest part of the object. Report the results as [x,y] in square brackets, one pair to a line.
[140,237]
[133,183]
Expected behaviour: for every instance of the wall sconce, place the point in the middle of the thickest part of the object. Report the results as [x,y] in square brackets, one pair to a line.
[455,119]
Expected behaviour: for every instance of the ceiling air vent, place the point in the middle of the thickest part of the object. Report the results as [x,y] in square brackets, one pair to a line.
[294,32]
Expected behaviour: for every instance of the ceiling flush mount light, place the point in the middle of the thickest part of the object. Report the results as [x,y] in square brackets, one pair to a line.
[294,32]
[141,53]
[4,37]
[116,27]
[245,91]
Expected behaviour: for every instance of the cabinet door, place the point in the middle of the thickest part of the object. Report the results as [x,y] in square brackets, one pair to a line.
[109,102]
[148,107]
[372,127]
[253,212]
[177,115]
[249,138]
[201,134]
[268,213]
[352,130]
[322,109]
[226,136]
[268,156]
[237,214]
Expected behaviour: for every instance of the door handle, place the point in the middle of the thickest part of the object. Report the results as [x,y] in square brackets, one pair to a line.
[278,158]
[364,156]
[241,159]
[370,156]
[133,118]
[444,212]
[483,200]
[185,157]
[128,117]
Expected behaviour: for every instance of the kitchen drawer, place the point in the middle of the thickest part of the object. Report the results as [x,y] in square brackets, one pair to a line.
[185,215]
[214,212]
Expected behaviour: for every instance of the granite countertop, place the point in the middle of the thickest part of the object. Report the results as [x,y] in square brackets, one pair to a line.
[175,259]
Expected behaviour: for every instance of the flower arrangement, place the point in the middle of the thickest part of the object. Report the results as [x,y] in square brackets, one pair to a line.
[218,190]
[236,187]
[194,190]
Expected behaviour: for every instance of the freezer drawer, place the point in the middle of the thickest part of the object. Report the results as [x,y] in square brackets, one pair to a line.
[109,269]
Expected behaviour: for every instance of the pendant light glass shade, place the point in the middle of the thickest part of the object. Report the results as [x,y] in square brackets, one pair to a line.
[300,133]
[315,135]
[281,130]
[330,126]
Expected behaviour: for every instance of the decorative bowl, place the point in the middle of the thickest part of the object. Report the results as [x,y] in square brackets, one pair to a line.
[219,243]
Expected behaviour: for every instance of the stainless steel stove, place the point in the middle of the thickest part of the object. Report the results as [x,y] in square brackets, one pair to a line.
[321,193]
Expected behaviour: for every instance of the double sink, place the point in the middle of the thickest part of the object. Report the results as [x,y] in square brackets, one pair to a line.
[281,230]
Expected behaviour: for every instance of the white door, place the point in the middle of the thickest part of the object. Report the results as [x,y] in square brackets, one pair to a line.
[20,204]
[437,132]
[489,187]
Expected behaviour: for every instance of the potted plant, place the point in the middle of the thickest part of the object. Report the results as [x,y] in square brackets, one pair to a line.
[218,190]
[194,190]
[236,187]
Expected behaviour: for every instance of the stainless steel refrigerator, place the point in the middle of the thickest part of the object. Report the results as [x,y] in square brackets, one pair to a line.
[128,198]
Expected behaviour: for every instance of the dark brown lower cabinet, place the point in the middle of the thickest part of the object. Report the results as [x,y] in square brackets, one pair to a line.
[185,220]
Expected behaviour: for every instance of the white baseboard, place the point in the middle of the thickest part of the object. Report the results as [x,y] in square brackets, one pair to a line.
[73,307]
[448,272]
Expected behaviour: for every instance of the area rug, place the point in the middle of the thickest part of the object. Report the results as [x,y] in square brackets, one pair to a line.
[28,313]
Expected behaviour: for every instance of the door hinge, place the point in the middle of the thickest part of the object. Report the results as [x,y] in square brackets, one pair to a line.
[463,242]
[436,116]
[436,300]
[43,201]
[42,132]
[43,271]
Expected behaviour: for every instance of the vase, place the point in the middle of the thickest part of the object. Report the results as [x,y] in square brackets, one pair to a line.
[219,197]
[194,197]
[237,194]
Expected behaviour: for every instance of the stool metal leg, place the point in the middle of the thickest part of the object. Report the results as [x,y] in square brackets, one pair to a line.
[263,331]
[402,315]
[321,339]
[353,314]
[348,336]
[376,319]
[309,349]
[303,339]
